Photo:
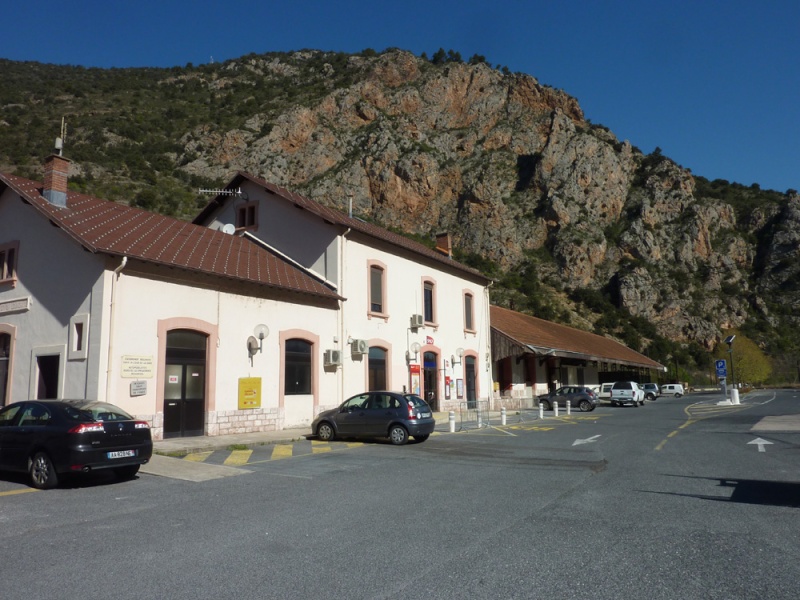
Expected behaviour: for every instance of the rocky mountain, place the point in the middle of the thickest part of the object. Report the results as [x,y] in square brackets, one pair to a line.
[576,225]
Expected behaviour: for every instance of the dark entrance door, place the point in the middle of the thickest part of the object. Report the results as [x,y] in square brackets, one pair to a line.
[429,375]
[469,375]
[185,384]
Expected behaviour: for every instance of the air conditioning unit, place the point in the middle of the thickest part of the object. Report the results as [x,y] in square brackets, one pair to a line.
[333,357]
[359,347]
[417,321]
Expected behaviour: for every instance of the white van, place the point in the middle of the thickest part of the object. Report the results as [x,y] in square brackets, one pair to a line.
[672,389]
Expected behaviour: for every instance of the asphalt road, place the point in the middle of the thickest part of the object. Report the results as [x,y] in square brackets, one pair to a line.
[670,500]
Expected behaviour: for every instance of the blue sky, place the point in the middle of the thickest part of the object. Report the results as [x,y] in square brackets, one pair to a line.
[714,84]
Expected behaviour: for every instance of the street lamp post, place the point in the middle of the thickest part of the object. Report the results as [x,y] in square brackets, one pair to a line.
[734,391]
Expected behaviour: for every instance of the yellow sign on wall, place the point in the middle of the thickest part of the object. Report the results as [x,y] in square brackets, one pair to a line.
[249,392]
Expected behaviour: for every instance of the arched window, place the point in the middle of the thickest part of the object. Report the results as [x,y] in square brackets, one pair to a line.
[377,368]
[298,367]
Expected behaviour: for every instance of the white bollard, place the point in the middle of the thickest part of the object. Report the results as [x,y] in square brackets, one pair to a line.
[541,411]
[734,396]
[569,407]
[503,416]
[555,409]
[452,421]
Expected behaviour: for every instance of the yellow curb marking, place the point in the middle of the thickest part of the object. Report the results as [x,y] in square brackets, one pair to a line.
[238,458]
[198,456]
[282,451]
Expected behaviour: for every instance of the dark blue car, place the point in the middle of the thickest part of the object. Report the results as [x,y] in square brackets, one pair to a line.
[393,415]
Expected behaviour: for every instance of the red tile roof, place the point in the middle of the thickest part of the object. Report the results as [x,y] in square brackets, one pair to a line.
[544,337]
[107,227]
[338,218]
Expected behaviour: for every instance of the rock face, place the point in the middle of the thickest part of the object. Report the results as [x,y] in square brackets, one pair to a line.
[511,168]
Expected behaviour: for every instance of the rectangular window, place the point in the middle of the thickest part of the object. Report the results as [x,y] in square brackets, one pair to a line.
[469,322]
[376,289]
[8,261]
[246,216]
[78,337]
[428,298]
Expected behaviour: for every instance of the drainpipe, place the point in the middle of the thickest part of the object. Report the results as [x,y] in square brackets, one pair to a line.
[114,278]
[489,362]
[342,339]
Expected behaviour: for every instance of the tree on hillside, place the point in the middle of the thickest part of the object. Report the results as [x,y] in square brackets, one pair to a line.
[750,364]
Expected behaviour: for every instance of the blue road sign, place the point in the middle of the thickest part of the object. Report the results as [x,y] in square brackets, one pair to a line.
[722,368]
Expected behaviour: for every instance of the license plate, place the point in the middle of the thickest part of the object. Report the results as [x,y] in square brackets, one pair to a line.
[122,454]
[424,415]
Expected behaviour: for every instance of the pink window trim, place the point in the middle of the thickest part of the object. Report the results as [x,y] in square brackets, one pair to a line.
[474,355]
[434,302]
[212,331]
[383,345]
[312,339]
[384,314]
[242,209]
[464,294]
[439,378]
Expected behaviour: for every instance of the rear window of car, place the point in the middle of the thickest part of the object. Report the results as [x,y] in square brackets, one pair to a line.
[97,411]
[415,400]
[622,385]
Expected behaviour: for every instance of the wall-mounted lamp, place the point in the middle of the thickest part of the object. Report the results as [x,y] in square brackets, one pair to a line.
[415,348]
[255,343]
[459,353]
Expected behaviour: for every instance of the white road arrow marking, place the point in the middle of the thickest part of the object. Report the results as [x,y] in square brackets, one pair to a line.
[586,441]
[761,443]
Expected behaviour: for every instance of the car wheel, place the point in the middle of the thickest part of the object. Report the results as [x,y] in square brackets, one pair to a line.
[651,397]
[398,435]
[585,405]
[325,432]
[677,395]
[43,473]
[422,438]
[126,473]
[546,405]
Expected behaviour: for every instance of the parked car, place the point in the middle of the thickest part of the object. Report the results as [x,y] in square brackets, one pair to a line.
[377,414]
[651,391]
[583,398]
[51,438]
[672,389]
[626,392]
[605,391]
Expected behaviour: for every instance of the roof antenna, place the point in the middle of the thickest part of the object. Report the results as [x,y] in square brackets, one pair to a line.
[62,138]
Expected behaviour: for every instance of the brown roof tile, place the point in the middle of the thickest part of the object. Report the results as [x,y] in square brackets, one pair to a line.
[112,228]
[544,336]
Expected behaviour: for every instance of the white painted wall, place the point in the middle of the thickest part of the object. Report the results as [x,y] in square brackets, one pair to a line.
[142,302]
[61,280]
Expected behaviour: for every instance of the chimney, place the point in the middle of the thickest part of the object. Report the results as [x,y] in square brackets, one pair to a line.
[56,174]
[444,244]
